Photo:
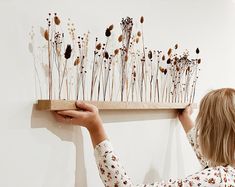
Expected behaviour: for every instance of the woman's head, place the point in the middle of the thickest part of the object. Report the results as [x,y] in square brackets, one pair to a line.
[215,124]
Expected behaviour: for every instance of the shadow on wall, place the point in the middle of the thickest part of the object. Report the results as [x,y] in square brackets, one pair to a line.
[173,136]
[112,116]
[44,119]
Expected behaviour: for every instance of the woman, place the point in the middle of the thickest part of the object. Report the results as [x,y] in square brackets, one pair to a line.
[214,132]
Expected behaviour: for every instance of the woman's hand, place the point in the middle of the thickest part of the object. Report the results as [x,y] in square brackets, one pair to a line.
[185,119]
[185,113]
[86,115]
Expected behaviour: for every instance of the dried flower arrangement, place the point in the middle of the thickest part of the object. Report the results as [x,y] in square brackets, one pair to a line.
[123,69]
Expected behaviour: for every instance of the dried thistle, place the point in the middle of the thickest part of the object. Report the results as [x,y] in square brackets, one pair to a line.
[46,35]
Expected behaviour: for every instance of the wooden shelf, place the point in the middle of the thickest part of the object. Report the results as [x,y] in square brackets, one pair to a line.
[102,105]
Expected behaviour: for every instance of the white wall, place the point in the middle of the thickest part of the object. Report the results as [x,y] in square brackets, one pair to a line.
[37,151]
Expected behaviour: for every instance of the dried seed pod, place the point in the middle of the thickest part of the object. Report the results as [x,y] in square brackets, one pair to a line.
[168,61]
[46,35]
[165,71]
[134,74]
[108,32]
[197,51]
[137,40]
[126,58]
[141,19]
[169,52]
[176,46]
[150,55]
[98,46]
[120,38]
[161,69]
[77,61]
[57,20]
[139,34]
[199,61]
[177,68]
[111,27]
[116,51]
[68,51]
[163,57]
[106,55]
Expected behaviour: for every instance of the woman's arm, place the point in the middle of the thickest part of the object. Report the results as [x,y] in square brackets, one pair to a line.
[187,123]
[185,119]
[110,168]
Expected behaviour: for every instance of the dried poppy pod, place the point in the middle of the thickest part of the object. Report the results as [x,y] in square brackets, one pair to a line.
[108,32]
[46,35]
[141,19]
[98,46]
[57,20]
[199,61]
[139,34]
[197,51]
[77,61]
[163,57]
[111,27]
[68,51]
[120,38]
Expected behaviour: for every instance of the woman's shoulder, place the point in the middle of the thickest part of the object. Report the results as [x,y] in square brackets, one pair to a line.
[217,176]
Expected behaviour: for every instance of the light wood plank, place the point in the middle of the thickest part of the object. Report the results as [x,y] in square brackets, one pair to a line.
[102,105]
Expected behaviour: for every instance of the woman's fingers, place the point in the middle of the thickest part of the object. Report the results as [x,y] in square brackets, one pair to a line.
[85,106]
[72,113]
[59,117]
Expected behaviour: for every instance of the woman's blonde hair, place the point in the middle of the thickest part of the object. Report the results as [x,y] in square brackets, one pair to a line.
[215,125]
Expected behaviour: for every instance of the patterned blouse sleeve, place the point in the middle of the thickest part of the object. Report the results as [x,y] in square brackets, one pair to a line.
[192,135]
[113,174]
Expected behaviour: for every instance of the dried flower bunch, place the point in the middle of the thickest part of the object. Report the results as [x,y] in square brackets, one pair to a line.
[122,68]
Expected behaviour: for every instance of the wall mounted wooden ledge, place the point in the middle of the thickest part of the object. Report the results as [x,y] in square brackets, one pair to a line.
[103,105]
